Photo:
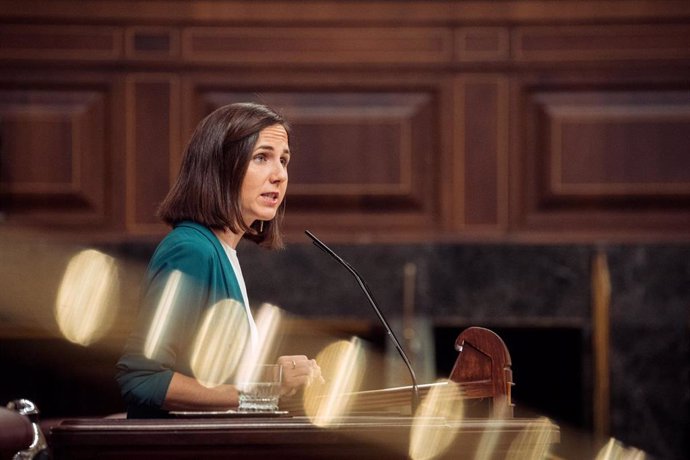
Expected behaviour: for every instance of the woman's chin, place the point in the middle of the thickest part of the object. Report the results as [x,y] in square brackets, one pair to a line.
[265,218]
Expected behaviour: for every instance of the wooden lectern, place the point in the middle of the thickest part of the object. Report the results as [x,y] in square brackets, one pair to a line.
[483,367]
[482,370]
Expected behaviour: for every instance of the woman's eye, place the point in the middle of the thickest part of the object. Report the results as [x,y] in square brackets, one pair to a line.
[259,157]
[284,161]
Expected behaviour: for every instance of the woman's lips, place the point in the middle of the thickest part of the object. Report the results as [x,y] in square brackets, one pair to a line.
[271,198]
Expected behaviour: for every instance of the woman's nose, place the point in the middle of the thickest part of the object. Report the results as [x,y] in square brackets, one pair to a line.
[279,173]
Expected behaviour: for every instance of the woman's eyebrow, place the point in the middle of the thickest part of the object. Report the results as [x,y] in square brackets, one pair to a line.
[270,147]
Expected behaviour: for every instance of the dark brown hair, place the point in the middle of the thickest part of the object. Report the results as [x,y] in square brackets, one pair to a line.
[207,190]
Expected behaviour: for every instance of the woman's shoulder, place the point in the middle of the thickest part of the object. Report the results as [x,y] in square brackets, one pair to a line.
[186,246]
[190,231]
[190,234]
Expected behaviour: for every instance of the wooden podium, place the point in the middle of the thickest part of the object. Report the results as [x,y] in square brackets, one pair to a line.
[482,370]
[356,437]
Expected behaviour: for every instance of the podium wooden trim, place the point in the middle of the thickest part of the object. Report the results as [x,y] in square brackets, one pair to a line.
[360,437]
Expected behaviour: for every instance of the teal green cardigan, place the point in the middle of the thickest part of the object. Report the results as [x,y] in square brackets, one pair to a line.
[195,251]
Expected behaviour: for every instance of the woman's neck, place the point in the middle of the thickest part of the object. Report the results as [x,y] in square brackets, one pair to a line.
[228,237]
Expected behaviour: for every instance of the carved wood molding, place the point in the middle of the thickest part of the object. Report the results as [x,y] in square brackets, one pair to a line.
[347,11]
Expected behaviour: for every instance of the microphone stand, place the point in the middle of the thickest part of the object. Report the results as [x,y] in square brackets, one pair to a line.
[362,284]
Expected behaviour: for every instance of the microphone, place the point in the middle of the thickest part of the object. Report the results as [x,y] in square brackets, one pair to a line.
[362,284]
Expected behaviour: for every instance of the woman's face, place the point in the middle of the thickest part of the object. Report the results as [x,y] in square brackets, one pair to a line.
[265,183]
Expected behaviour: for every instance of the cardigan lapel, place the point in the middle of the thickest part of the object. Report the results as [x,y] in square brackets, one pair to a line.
[228,272]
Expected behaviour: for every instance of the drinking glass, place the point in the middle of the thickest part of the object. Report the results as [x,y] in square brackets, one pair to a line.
[260,391]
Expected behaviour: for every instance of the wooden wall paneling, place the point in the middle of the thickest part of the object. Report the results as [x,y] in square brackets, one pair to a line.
[603,157]
[351,11]
[152,146]
[370,160]
[445,156]
[352,45]
[481,152]
[616,144]
[482,44]
[608,42]
[55,150]
[60,42]
[152,43]
[521,134]
[397,51]
[117,137]
[365,151]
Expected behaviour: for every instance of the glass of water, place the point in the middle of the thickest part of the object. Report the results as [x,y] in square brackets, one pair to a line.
[260,391]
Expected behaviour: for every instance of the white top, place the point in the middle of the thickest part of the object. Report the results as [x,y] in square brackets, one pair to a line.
[235,262]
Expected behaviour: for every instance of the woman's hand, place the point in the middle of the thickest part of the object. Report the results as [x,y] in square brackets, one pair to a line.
[298,371]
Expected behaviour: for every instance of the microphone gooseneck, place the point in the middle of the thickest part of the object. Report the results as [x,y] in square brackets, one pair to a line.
[362,284]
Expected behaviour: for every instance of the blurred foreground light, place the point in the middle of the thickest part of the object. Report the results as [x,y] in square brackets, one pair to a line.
[614,450]
[267,320]
[220,342]
[342,367]
[533,442]
[87,299]
[489,440]
[163,315]
[428,437]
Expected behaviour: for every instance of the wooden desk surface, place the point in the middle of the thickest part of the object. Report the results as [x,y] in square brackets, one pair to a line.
[355,437]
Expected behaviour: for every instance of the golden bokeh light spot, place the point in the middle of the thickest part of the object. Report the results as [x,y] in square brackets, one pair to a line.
[436,421]
[342,367]
[533,442]
[267,319]
[492,433]
[614,450]
[87,299]
[220,342]
[163,317]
